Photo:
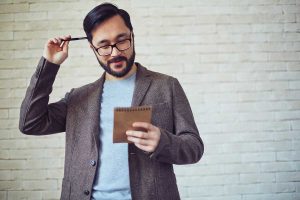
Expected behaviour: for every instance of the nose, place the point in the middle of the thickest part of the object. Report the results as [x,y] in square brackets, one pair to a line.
[115,52]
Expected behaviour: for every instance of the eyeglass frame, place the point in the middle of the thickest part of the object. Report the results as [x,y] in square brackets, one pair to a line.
[112,46]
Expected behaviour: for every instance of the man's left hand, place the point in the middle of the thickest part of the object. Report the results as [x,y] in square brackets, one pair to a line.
[146,141]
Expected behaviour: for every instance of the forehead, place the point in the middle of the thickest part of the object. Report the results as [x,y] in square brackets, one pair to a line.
[110,29]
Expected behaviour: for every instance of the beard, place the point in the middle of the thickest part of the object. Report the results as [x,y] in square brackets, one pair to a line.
[129,63]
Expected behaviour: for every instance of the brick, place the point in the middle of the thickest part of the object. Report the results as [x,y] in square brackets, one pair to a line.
[14,113]
[276,196]
[14,8]
[5,175]
[4,154]
[13,45]
[28,175]
[205,191]
[71,14]
[293,66]
[209,180]
[18,63]
[224,158]
[257,178]
[11,164]
[14,83]
[6,36]
[290,115]
[241,189]
[3,195]
[294,85]
[287,155]
[10,185]
[36,153]
[61,6]
[278,166]
[287,176]
[278,187]
[8,123]
[25,35]
[54,173]
[43,164]
[6,18]
[34,195]
[241,168]
[3,113]
[258,157]
[5,134]
[30,16]
[49,195]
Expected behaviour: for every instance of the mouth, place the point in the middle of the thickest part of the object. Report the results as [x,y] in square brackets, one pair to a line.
[118,63]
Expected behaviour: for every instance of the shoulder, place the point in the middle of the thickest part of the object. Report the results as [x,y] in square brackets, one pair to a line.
[85,90]
[156,76]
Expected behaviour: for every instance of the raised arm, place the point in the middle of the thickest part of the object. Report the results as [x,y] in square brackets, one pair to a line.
[37,117]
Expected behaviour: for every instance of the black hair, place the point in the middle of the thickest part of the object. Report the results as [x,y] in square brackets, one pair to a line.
[101,13]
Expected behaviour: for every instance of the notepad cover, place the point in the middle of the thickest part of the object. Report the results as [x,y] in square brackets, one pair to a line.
[124,117]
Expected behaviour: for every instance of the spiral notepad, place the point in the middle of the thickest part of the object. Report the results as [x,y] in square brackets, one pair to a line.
[124,117]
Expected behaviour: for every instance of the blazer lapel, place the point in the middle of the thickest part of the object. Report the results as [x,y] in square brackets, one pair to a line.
[142,84]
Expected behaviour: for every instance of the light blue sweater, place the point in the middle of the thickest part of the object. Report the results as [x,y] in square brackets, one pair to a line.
[112,179]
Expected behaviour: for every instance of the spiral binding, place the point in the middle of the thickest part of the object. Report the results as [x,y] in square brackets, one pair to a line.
[131,109]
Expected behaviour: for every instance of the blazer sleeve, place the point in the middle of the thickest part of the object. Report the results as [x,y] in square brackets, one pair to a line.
[185,145]
[37,117]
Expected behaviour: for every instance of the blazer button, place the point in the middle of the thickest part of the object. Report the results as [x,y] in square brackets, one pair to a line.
[93,162]
[86,192]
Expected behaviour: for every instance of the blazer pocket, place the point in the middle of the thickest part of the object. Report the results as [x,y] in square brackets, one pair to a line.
[66,189]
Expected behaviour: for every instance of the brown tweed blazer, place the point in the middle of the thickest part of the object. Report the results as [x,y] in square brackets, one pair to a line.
[78,114]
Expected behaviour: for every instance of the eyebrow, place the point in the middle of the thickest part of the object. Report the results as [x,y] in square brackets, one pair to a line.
[118,36]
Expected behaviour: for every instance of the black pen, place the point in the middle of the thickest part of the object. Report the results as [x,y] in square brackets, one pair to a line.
[78,38]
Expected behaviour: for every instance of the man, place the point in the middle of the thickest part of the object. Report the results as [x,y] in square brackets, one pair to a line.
[95,168]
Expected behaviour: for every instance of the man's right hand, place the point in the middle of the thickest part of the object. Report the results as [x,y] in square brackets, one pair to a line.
[56,50]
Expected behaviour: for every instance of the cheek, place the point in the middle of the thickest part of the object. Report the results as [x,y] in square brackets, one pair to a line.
[129,53]
[103,59]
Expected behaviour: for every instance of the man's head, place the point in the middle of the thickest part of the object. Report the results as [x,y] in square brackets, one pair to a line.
[107,25]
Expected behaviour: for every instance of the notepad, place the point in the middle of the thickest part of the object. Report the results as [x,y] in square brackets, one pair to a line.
[124,117]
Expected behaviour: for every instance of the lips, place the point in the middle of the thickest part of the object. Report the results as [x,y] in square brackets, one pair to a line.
[118,62]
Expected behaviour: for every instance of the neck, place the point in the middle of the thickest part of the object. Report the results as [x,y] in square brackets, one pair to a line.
[113,78]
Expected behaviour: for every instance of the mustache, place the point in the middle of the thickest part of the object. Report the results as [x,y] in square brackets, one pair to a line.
[117,59]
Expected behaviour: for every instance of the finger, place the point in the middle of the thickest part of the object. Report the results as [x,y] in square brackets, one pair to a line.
[138,134]
[55,40]
[52,40]
[140,141]
[145,125]
[58,40]
[65,46]
[65,37]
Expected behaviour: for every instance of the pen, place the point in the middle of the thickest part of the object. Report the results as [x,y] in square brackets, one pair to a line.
[78,38]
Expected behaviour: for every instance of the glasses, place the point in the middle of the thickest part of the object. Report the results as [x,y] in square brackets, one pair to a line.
[107,49]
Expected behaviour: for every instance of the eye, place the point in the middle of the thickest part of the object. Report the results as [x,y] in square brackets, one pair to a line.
[105,47]
[122,42]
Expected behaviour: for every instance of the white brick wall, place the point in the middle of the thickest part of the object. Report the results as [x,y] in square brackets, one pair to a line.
[238,61]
